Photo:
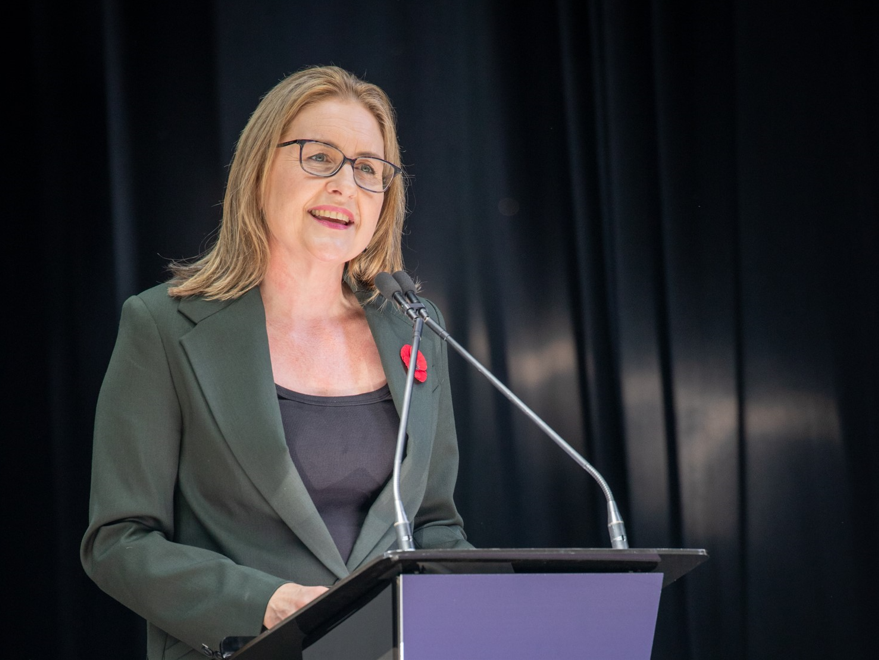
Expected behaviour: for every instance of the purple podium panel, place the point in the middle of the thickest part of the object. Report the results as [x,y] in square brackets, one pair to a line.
[611,616]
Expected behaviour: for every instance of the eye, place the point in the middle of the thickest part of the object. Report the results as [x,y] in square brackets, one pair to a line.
[366,167]
[320,159]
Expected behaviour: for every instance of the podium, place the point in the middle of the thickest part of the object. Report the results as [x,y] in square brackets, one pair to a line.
[484,604]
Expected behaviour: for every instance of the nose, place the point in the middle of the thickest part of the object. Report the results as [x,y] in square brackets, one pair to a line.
[343,181]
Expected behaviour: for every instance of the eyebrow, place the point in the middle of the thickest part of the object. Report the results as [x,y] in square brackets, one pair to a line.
[362,154]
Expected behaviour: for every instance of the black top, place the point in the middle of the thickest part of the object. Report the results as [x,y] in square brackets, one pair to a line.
[343,447]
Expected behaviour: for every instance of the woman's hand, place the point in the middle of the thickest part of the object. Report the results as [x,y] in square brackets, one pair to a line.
[287,599]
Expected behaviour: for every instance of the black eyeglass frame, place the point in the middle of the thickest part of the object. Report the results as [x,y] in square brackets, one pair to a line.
[397,169]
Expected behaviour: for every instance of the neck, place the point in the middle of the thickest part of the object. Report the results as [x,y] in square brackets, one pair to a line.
[305,291]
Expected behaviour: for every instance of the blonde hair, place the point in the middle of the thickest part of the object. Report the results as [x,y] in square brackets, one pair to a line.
[238,260]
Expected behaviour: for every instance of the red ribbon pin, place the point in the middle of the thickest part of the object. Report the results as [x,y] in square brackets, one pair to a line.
[420,363]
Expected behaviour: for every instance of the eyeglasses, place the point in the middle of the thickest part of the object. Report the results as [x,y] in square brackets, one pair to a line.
[321,159]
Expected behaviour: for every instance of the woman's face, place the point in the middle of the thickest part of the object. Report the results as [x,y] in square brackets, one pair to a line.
[302,210]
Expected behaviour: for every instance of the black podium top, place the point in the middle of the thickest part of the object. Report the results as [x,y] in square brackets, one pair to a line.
[361,585]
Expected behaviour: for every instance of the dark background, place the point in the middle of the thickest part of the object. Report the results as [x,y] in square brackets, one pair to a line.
[656,221]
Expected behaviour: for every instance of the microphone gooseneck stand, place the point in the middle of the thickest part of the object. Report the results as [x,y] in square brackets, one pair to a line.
[414,309]
[402,526]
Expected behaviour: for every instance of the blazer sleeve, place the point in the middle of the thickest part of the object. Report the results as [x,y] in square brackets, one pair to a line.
[438,523]
[196,595]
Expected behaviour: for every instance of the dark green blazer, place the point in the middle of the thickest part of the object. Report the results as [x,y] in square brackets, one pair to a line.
[197,512]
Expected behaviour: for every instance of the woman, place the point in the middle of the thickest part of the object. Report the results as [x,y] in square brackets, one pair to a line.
[245,429]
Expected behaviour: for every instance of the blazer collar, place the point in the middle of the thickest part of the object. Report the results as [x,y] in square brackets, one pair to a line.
[229,353]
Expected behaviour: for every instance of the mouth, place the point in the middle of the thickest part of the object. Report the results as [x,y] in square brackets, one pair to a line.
[333,218]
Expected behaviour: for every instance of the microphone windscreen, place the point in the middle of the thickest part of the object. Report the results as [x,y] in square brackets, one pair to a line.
[386,285]
[405,281]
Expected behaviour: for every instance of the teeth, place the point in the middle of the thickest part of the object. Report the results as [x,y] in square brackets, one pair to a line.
[330,215]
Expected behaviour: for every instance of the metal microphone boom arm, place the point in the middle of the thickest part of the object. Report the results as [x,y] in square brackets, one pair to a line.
[616,527]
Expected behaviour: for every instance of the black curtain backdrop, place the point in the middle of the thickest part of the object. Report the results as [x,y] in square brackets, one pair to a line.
[657,221]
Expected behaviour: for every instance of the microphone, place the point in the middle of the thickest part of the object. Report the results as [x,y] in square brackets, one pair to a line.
[409,290]
[389,288]
[616,527]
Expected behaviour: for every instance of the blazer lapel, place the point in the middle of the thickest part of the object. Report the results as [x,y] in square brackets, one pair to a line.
[229,353]
[391,332]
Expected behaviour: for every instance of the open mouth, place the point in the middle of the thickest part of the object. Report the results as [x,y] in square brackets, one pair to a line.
[332,217]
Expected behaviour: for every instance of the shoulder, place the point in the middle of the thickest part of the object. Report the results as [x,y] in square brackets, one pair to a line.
[154,313]
[166,309]
[155,299]
[151,307]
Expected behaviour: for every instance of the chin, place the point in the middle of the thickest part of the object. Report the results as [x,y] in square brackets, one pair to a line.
[334,254]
